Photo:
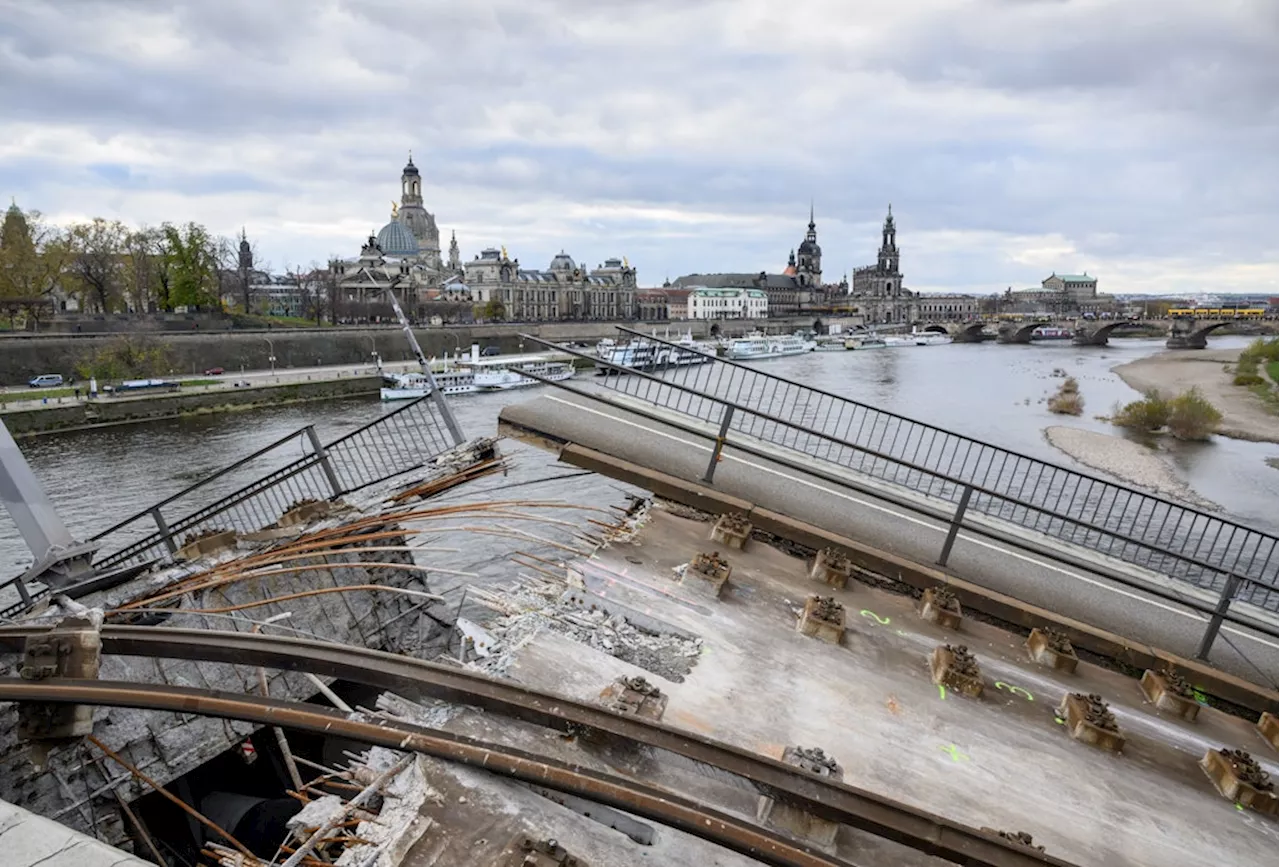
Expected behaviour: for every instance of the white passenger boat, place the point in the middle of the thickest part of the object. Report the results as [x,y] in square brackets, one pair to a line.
[865,341]
[831,344]
[494,375]
[647,355]
[758,346]
[474,373]
[918,338]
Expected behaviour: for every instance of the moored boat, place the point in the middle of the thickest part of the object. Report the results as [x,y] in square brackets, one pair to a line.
[756,346]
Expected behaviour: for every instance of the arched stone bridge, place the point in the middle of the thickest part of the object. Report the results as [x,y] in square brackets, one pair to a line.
[1192,333]
[1183,333]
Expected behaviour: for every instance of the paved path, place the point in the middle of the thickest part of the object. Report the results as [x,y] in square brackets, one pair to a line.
[890,527]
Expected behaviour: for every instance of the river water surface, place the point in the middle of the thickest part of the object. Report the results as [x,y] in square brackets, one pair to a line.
[990,392]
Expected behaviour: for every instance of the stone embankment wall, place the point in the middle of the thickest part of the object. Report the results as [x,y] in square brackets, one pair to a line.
[107,411]
[23,356]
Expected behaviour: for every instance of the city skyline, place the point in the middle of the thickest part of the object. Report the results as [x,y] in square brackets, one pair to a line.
[1013,140]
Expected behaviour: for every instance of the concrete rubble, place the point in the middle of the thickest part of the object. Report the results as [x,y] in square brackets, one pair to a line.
[532,604]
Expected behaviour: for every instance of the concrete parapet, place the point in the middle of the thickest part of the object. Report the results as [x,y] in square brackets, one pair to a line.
[1238,778]
[939,605]
[1050,647]
[955,668]
[1167,690]
[823,619]
[732,529]
[832,567]
[793,820]
[1088,720]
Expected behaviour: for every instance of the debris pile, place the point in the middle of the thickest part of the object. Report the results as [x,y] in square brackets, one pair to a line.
[1096,712]
[734,522]
[534,604]
[1057,641]
[1247,770]
[298,504]
[963,662]
[710,564]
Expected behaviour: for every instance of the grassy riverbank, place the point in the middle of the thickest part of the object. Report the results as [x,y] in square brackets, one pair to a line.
[1245,415]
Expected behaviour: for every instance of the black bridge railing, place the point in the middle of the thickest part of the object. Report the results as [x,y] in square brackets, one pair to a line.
[724,398]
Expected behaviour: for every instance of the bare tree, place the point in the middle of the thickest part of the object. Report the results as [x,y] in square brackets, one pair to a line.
[97,260]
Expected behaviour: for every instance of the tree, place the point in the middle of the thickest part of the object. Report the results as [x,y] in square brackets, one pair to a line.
[309,289]
[144,251]
[96,262]
[495,311]
[192,256]
[33,255]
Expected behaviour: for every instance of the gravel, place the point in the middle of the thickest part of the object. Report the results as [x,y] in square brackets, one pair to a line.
[1125,460]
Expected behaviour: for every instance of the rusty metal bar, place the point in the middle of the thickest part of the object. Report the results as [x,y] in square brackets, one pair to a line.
[631,796]
[838,802]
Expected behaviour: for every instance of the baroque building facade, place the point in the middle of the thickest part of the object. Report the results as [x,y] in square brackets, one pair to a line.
[564,290]
[404,254]
[788,292]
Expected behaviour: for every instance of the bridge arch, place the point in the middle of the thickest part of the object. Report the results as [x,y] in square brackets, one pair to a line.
[1201,334]
[1014,332]
[935,328]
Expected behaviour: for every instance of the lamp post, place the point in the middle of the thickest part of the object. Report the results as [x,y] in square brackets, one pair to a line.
[271,348]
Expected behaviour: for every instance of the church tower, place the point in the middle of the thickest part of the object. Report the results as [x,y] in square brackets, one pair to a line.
[887,262]
[420,223]
[809,262]
[455,255]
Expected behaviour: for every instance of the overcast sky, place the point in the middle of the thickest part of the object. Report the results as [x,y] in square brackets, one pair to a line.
[1135,140]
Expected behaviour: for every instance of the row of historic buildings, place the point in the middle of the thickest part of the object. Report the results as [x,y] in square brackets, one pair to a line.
[405,255]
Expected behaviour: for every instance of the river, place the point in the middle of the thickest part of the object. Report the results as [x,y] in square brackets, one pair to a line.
[987,391]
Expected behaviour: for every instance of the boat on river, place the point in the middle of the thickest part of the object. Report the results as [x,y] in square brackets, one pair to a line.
[865,341]
[831,344]
[757,346]
[918,338]
[646,355]
[1052,332]
[476,373]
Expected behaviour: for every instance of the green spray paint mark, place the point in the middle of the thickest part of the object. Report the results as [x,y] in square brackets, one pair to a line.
[942,692]
[866,612]
[954,751]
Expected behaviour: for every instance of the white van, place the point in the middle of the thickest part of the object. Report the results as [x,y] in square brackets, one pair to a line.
[46,380]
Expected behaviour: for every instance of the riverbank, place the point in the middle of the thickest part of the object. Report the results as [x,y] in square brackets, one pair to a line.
[1127,461]
[1244,415]
[112,411]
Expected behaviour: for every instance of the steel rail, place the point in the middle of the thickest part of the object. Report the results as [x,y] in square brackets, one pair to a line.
[838,802]
[632,796]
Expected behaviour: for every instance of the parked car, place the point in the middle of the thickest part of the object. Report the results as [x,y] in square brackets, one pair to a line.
[46,380]
[214,371]
[490,351]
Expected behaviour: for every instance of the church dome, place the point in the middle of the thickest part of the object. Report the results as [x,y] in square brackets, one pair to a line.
[410,169]
[562,262]
[395,239]
[808,246]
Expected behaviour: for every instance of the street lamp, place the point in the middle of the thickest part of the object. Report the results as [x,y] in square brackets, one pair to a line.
[271,348]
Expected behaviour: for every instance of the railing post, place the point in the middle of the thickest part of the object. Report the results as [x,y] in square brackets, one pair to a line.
[325,463]
[719,446]
[955,525]
[164,530]
[1215,622]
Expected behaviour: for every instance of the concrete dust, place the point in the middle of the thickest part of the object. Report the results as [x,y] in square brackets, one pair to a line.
[534,604]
